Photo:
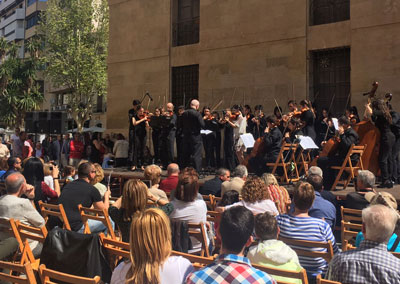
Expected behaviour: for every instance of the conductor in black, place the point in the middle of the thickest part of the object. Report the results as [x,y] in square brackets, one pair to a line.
[192,122]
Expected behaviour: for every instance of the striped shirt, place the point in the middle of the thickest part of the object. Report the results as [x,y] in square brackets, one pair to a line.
[308,229]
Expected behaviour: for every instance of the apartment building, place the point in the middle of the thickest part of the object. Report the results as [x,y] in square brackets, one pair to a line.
[251,52]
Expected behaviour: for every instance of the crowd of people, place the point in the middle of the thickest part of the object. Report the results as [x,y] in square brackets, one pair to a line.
[256,212]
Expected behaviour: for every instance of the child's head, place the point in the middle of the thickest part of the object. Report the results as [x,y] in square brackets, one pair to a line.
[266,227]
[68,171]
[229,197]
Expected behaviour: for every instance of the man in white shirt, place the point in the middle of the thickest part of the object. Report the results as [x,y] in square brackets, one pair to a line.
[15,143]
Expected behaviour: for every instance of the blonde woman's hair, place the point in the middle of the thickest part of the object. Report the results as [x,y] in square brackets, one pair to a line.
[153,173]
[134,198]
[150,246]
[269,179]
[46,169]
[99,174]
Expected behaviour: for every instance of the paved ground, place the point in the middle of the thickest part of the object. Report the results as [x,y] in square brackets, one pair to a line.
[126,174]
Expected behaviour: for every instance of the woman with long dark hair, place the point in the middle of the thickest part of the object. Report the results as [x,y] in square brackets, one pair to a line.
[380,115]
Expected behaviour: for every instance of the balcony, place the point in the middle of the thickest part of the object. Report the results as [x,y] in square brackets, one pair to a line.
[7,4]
[18,15]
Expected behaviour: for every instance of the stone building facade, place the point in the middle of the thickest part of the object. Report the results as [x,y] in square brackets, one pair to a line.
[251,52]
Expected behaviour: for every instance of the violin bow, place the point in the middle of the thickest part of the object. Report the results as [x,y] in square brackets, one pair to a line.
[233,96]
[216,106]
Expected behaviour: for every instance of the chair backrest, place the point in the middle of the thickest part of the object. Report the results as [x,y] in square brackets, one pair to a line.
[197,261]
[199,232]
[323,281]
[25,269]
[98,215]
[349,231]
[115,249]
[48,276]
[208,199]
[327,255]
[32,233]
[54,210]
[296,275]
[351,215]
[213,216]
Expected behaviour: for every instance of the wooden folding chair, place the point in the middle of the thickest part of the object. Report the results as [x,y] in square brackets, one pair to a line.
[198,231]
[198,262]
[115,249]
[303,161]
[10,226]
[351,215]
[323,281]
[296,275]
[213,216]
[98,215]
[32,233]
[54,210]
[290,150]
[48,276]
[25,269]
[348,166]
[208,200]
[348,232]
[327,255]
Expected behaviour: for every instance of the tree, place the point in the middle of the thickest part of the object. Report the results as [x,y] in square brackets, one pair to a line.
[19,89]
[76,43]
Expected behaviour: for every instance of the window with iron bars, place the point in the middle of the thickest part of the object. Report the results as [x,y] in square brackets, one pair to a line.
[185,84]
[186,24]
[329,11]
[331,79]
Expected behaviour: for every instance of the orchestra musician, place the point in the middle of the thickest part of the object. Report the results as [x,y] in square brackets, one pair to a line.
[347,137]
[249,117]
[140,123]
[168,136]
[395,127]
[259,121]
[307,118]
[132,113]
[192,123]
[228,125]
[179,134]
[324,126]
[273,142]
[380,115]
[218,139]
[294,130]
[292,107]
[209,140]
[280,119]
[241,124]
[352,114]
[155,135]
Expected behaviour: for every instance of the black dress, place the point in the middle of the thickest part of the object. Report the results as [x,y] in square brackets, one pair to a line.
[131,152]
[307,117]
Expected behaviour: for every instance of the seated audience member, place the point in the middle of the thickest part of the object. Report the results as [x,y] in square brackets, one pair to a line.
[4,151]
[187,207]
[271,252]
[80,191]
[383,198]
[151,246]
[96,182]
[171,181]
[3,167]
[278,194]
[237,182]
[34,175]
[230,197]
[300,225]
[51,179]
[371,262]
[8,247]
[14,166]
[13,206]
[365,183]
[326,194]
[69,173]
[120,151]
[231,266]
[255,197]
[153,173]
[321,208]
[213,186]
[134,199]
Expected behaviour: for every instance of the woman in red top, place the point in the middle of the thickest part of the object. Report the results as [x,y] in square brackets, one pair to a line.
[76,149]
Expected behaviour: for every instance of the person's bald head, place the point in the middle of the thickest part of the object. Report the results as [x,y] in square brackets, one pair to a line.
[170,107]
[15,183]
[195,104]
[173,169]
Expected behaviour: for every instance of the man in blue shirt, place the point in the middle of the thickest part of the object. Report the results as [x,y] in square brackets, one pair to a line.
[321,208]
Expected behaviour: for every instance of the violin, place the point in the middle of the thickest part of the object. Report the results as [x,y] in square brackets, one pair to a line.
[209,117]
[168,113]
